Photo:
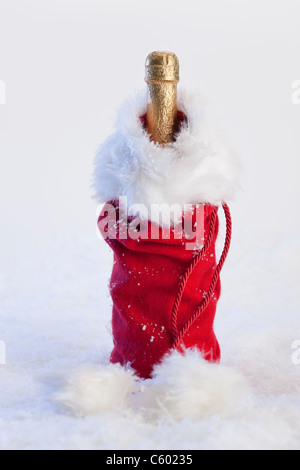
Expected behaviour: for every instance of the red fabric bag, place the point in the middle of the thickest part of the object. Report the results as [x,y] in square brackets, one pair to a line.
[164,295]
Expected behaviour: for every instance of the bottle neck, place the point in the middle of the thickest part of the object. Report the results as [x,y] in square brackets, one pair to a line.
[162,122]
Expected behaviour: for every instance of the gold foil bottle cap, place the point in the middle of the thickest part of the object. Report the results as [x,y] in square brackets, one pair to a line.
[162,76]
[162,66]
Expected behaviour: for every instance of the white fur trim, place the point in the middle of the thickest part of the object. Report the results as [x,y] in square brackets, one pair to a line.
[197,168]
[186,385]
[96,390]
[183,386]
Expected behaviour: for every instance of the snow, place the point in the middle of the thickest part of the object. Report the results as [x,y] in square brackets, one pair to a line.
[55,307]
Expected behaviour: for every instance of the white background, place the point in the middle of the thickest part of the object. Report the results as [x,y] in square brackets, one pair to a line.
[67,65]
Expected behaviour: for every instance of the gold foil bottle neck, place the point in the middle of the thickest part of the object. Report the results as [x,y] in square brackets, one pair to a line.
[162,66]
[162,76]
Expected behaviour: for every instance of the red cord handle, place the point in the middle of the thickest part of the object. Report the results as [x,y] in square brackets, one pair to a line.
[177,336]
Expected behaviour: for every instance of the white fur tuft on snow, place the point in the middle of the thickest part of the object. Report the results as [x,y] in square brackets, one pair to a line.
[96,390]
[188,386]
[183,386]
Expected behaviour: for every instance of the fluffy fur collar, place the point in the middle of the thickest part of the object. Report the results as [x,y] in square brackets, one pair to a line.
[197,168]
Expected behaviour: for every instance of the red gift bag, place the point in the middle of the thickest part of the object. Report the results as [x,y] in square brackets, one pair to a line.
[164,295]
[164,289]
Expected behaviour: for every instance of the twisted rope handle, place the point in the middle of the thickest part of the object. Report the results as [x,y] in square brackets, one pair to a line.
[177,336]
